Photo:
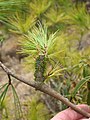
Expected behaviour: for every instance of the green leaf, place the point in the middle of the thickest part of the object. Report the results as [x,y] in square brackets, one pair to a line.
[80,18]
[2,96]
[40,6]
[88,98]
[3,86]
[55,54]
[37,39]
[88,93]
[51,40]
[18,111]
[79,85]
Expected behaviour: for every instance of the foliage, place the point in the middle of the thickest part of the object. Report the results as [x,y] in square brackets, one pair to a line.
[53,29]
[37,110]
[3,107]
[37,42]
[43,5]
[80,18]
[19,24]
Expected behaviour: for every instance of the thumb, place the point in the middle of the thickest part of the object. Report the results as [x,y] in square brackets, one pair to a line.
[70,114]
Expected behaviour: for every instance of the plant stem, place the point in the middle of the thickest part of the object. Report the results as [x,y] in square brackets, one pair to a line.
[40,68]
[44,88]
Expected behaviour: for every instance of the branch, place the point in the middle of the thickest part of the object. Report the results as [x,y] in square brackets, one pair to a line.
[45,89]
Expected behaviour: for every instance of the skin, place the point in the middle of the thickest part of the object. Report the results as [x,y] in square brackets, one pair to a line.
[70,114]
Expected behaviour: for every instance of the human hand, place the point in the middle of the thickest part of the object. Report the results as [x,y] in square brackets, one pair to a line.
[70,114]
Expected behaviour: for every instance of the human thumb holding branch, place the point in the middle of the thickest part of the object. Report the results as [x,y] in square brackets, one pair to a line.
[70,114]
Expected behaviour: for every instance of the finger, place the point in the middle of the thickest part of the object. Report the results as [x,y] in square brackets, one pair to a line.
[70,114]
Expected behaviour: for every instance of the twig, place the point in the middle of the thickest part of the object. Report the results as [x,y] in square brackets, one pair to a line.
[44,88]
[9,79]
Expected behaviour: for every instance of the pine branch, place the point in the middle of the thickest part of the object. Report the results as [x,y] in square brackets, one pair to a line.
[45,89]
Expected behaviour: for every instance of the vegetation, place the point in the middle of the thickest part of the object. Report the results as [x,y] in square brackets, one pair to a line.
[50,34]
